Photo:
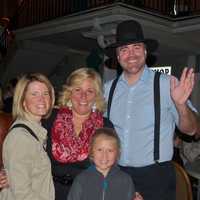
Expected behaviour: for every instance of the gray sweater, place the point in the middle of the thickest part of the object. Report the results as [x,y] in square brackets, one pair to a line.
[91,185]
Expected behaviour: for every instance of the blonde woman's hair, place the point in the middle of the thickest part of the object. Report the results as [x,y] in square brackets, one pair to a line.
[20,92]
[75,79]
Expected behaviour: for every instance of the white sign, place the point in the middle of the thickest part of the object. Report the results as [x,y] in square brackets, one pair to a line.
[164,69]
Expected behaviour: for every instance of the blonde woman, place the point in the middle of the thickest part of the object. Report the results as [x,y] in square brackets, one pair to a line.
[24,155]
[80,113]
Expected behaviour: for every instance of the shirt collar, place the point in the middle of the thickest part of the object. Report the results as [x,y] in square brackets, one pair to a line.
[144,77]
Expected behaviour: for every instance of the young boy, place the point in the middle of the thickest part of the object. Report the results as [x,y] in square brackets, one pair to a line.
[103,180]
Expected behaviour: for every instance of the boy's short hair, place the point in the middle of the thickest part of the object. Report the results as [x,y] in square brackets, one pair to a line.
[108,132]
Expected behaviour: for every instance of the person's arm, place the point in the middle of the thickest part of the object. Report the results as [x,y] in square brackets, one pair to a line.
[18,151]
[188,120]
[180,92]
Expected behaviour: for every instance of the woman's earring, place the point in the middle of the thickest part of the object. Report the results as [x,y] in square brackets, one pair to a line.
[94,107]
[69,104]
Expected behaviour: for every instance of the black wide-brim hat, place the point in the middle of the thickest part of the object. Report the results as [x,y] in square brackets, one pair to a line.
[130,32]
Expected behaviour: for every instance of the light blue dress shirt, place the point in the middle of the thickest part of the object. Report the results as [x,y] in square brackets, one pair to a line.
[132,113]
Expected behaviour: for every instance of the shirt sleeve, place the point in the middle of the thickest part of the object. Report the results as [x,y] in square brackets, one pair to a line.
[18,155]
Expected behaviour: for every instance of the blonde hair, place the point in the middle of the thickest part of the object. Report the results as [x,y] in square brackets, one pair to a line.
[107,133]
[20,91]
[76,78]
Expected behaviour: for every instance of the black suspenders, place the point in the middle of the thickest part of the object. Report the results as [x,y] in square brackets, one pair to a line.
[156,109]
[112,88]
[157,116]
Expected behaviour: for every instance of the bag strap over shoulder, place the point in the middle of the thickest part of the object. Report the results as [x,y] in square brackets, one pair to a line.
[27,128]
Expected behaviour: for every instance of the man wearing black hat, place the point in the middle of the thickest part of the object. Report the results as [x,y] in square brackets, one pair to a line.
[145,156]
